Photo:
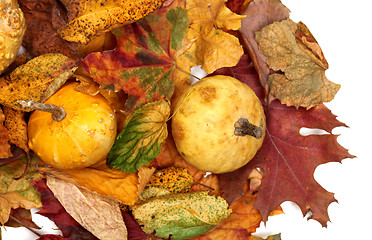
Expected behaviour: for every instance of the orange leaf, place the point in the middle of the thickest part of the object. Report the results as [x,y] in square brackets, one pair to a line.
[4,138]
[17,127]
[125,187]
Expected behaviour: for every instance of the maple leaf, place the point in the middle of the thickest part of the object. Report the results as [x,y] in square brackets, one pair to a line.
[302,81]
[142,137]
[215,47]
[99,214]
[143,62]
[38,79]
[15,193]
[259,14]
[87,19]
[288,159]
[52,209]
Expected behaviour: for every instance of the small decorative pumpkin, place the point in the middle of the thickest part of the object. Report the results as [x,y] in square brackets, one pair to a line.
[219,124]
[12,29]
[82,138]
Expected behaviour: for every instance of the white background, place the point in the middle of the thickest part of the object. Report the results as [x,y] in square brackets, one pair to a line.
[342,29]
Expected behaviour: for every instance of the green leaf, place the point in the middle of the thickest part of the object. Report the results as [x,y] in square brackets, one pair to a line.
[182,216]
[299,63]
[142,138]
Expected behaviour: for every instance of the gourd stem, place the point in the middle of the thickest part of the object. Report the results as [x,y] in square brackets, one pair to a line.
[58,113]
[243,128]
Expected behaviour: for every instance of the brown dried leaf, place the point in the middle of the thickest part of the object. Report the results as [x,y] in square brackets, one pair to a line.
[302,81]
[4,138]
[259,14]
[99,214]
[17,127]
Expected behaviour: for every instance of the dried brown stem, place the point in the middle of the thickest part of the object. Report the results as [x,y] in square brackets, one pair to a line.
[58,113]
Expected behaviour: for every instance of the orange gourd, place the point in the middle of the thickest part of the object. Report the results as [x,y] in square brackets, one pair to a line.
[82,138]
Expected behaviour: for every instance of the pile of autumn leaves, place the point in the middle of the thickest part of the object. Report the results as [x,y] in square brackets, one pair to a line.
[278,58]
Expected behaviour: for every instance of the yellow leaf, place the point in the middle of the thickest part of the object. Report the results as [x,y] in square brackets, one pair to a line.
[87,19]
[215,48]
[38,79]
[125,187]
[208,13]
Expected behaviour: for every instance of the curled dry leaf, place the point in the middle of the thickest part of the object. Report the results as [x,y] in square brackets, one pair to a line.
[38,79]
[98,214]
[259,14]
[302,81]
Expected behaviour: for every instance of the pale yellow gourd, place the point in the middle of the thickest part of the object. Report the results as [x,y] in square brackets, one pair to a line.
[219,124]
[82,138]
[12,29]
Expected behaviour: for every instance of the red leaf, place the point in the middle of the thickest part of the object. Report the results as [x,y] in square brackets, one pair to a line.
[134,229]
[53,210]
[288,159]
[51,237]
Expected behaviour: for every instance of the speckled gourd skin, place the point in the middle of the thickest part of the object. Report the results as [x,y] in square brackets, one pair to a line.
[12,29]
[80,140]
[204,125]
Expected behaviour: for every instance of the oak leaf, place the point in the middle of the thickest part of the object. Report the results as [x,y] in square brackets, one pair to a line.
[99,214]
[87,19]
[15,193]
[144,62]
[302,81]
[181,215]
[287,159]
[125,187]
[38,79]
[52,209]
[259,14]
[141,139]
[215,47]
